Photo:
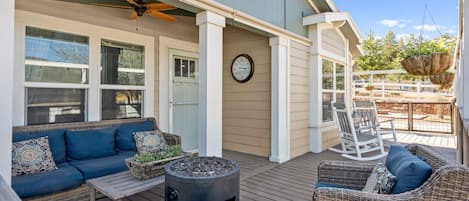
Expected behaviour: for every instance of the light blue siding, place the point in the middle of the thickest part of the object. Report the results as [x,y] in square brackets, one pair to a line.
[287,14]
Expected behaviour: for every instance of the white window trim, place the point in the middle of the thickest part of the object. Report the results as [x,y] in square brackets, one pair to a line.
[334,90]
[95,34]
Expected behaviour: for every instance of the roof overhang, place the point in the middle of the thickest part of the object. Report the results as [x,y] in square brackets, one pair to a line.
[344,22]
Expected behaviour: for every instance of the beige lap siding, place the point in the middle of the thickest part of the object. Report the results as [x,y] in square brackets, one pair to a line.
[246,106]
[299,99]
[330,138]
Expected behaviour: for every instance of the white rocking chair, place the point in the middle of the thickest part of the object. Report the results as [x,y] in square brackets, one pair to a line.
[366,114]
[355,144]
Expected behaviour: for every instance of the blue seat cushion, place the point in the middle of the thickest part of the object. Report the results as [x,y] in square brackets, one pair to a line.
[63,178]
[328,185]
[124,136]
[410,171]
[103,166]
[90,143]
[56,141]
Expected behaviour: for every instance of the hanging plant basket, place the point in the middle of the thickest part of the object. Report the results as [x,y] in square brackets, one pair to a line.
[445,80]
[432,64]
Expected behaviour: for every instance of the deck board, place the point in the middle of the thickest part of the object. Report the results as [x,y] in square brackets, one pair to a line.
[262,180]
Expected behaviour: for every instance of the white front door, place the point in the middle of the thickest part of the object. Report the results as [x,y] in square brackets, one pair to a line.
[184,97]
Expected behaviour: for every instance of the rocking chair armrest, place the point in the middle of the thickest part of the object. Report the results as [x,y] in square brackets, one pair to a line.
[172,139]
[345,173]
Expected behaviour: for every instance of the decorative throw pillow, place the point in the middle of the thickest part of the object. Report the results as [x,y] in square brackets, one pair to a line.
[150,141]
[381,180]
[32,156]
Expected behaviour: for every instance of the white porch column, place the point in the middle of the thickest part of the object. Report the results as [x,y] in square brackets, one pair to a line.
[211,82]
[315,76]
[465,64]
[7,23]
[280,147]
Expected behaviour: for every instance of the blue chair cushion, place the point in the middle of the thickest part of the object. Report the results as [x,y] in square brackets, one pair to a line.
[410,171]
[90,143]
[103,166]
[124,136]
[328,185]
[65,177]
[56,141]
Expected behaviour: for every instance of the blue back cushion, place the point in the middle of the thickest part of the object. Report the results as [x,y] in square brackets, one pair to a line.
[411,171]
[90,143]
[124,137]
[56,141]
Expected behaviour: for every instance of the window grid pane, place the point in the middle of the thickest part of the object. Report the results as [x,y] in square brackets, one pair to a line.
[55,57]
[53,105]
[327,74]
[122,63]
[121,104]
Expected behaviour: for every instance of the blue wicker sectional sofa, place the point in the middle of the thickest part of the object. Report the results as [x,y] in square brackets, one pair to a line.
[81,151]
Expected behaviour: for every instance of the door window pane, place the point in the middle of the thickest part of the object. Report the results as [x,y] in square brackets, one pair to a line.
[177,67]
[185,68]
[192,68]
[122,63]
[120,104]
[55,105]
[52,56]
[327,74]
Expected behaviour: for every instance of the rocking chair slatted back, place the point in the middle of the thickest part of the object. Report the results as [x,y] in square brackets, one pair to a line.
[344,120]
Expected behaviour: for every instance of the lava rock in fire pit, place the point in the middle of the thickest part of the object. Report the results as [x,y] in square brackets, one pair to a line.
[202,178]
[203,167]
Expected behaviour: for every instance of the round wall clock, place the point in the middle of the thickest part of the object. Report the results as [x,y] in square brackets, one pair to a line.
[242,68]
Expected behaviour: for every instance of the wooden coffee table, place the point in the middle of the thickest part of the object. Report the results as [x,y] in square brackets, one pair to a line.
[120,185]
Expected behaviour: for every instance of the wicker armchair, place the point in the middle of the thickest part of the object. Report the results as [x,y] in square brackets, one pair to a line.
[449,180]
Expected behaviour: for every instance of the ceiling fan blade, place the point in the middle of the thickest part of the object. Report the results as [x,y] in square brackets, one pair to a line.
[159,6]
[134,3]
[133,15]
[161,15]
[111,5]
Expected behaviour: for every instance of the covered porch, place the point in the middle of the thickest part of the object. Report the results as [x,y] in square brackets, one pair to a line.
[263,180]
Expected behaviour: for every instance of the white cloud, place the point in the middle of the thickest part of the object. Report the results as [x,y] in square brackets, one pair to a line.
[451,31]
[427,27]
[393,23]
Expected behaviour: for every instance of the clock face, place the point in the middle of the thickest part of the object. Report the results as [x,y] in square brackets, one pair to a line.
[242,68]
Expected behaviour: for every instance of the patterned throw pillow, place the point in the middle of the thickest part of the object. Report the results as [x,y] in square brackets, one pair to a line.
[381,180]
[150,141]
[32,156]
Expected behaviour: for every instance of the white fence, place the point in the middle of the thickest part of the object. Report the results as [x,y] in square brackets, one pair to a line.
[387,87]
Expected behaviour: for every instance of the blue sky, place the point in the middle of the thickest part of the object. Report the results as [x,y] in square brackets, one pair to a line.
[402,16]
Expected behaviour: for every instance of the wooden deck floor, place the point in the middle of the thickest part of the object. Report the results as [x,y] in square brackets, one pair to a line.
[262,180]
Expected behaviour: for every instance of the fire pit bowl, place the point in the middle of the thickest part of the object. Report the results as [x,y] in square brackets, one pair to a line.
[202,178]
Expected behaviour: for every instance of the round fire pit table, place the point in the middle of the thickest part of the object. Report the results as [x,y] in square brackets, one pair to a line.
[202,179]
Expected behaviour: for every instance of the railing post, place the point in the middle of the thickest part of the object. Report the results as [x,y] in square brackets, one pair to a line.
[452,114]
[418,87]
[410,116]
[382,89]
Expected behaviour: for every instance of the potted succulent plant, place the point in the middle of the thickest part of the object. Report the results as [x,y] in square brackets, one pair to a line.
[428,57]
[150,165]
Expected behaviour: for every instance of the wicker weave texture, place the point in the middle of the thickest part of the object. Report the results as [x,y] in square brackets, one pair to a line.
[449,180]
